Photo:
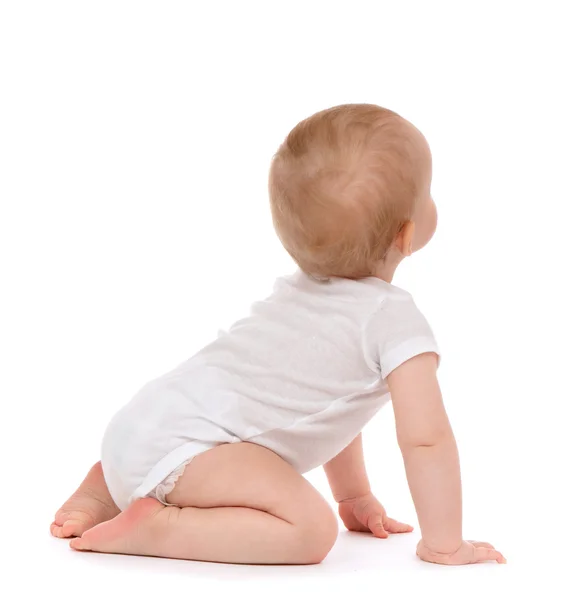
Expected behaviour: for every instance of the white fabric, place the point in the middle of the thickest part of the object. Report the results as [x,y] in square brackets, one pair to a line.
[167,485]
[301,375]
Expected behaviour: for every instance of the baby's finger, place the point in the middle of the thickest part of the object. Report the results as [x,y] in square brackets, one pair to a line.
[376,526]
[482,554]
[481,544]
[396,526]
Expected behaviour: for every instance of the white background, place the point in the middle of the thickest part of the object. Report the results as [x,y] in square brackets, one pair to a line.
[135,140]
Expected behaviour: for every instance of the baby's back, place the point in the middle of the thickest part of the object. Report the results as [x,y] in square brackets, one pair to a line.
[301,375]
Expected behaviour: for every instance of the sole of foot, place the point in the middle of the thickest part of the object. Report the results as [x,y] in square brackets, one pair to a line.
[90,505]
[131,532]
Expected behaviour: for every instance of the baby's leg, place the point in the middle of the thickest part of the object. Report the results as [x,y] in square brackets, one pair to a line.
[237,503]
[90,505]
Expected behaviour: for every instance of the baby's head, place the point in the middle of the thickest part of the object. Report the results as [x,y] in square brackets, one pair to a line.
[350,191]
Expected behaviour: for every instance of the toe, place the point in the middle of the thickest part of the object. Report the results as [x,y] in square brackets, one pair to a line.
[70,528]
[59,531]
[79,544]
[74,528]
[60,517]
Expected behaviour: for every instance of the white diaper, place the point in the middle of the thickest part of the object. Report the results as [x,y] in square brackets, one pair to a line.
[167,485]
[150,441]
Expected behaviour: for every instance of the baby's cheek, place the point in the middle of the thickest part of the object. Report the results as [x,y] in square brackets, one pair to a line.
[434,219]
[425,226]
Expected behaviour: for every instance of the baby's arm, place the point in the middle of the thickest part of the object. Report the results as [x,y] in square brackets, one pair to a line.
[357,506]
[432,464]
[347,474]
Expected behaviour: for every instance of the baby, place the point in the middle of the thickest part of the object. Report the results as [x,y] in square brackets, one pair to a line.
[205,462]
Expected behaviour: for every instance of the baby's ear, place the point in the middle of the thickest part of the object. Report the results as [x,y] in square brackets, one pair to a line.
[404,239]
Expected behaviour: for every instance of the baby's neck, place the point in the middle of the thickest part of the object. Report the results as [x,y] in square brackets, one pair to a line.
[386,269]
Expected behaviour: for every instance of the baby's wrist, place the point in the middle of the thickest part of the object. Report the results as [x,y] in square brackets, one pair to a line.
[441,550]
[351,495]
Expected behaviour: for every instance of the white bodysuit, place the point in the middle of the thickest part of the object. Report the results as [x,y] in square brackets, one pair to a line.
[301,375]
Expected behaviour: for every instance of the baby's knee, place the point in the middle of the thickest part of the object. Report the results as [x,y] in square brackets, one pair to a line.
[318,535]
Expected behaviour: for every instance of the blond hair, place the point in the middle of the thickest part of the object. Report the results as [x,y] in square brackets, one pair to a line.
[341,186]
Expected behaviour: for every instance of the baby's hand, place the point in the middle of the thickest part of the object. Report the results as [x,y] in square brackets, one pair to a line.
[367,514]
[468,553]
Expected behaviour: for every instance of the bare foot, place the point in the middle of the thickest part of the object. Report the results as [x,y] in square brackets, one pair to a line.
[90,505]
[131,532]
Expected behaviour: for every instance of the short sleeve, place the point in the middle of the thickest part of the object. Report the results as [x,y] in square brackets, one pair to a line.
[395,333]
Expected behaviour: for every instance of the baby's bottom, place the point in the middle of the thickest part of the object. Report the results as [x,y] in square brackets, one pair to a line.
[236,503]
